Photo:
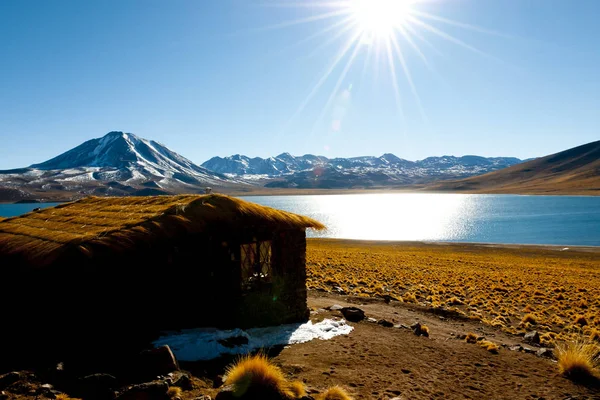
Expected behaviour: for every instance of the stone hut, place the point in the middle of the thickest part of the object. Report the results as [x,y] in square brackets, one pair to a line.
[122,269]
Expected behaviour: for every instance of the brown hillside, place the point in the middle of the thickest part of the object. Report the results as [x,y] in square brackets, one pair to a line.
[573,171]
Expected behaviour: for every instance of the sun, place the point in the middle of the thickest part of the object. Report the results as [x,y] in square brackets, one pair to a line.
[380,18]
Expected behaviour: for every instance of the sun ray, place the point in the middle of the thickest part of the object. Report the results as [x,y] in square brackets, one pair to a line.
[332,39]
[412,44]
[408,76]
[397,96]
[324,77]
[418,35]
[344,23]
[447,36]
[336,88]
[386,29]
[312,18]
[474,28]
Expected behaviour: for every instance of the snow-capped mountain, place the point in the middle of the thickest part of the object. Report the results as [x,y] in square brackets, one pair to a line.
[388,169]
[116,164]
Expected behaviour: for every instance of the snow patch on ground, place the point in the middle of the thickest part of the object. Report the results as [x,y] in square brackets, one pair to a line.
[207,343]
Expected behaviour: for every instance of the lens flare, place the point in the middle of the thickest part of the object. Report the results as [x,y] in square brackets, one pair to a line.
[378,32]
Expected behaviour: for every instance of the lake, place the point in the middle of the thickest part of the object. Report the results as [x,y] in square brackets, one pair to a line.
[558,220]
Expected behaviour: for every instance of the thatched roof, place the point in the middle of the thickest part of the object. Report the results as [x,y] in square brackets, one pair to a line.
[121,222]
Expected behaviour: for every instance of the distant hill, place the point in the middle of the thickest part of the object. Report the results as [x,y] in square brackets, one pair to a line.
[388,170]
[573,171]
[116,164]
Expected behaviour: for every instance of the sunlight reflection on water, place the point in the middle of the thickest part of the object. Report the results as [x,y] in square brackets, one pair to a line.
[563,220]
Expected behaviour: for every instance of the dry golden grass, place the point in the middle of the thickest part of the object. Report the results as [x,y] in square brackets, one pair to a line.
[257,377]
[578,360]
[174,392]
[255,373]
[63,396]
[471,338]
[489,346]
[297,389]
[514,289]
[334,393]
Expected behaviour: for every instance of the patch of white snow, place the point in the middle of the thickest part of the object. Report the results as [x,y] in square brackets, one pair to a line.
[206,343]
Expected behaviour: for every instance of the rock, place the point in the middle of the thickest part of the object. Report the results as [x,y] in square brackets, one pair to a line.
[233,341]
[335,307]
[353,314]
[156,390]
[418,330]
[97,387]
[385,323]
[180,379]
[339,290]
[532,337]
[529,350]
[226,393]
[517,347]
[372,320]
[8,379]
[156,362]
[545,352]
[203,397]
[3,395]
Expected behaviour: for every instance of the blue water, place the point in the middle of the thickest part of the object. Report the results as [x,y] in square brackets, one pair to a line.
[559,220]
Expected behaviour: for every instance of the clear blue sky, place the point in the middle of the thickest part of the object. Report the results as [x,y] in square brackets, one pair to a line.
[207,78]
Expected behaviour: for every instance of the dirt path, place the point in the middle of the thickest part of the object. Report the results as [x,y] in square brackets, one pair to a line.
[375,362]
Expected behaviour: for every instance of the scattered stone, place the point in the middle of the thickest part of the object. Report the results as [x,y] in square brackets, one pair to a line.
[416,325]
[405,371]
[532,337]
[158,361]
[529,350]
[419,330]
[234,341]
[335,307]
[372,320]
[180,379]
[3,395]
[8,379]
[339,290]
[385,323]
[461,337]
[156,390]
[203,397]
[517,347]
[97,387]
[353,314]
[545,352]
[226,393]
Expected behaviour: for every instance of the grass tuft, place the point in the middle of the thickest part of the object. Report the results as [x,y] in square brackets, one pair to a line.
[577,361]
[532,319]
[256,376]
[174,392]
[296,389]
[334,393]
[471,338]
[489,346]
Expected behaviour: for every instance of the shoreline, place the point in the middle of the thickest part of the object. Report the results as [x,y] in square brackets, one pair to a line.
[424,243]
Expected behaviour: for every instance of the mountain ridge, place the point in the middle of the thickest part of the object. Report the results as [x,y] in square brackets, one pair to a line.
[117,163]
[576,170]
[314,171]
